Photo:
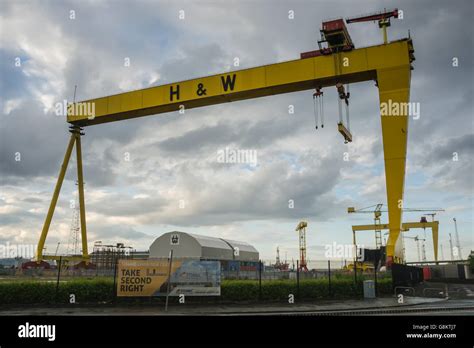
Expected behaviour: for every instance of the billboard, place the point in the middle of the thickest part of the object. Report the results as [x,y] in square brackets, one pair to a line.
[150,278]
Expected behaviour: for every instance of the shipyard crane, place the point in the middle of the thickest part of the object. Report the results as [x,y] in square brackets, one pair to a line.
[458,243]
[388,64]
[282,266]
[382,17]
[377,211]
[423,249]
[441,248]
[406,226]
[377,214]
[451,247]
[301,229]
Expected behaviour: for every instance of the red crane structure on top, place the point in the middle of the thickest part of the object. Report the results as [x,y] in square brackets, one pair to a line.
[382,17]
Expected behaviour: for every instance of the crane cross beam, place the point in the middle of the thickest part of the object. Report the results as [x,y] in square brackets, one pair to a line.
[406,226]
[296,75]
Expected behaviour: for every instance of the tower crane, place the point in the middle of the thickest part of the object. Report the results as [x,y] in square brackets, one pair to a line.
[458,244]
[451,247]
[388,64]
[301,229]
[382,17]
[441,247]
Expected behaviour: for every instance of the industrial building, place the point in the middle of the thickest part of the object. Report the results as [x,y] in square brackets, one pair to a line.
[234,255]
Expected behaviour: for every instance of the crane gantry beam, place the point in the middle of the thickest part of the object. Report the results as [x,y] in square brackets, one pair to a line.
[390,64]
[406,226]
[387,64]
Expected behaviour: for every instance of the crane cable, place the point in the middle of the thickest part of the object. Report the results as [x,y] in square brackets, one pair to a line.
[321,104]
[316,116]
[340,110]
[348,94]
[319,108]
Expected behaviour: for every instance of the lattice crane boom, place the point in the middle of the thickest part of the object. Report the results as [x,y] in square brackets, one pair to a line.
[301,229]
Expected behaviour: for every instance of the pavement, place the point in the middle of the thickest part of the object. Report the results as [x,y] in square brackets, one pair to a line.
[380,306]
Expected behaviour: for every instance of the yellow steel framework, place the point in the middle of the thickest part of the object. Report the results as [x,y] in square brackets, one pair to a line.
[388,64]
[406,226]
[301,229]
[75,138]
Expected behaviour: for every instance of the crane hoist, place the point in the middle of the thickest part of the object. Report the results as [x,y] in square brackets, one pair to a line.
[337,63]
[334,38]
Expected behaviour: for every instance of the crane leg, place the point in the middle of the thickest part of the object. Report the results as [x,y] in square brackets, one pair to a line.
[394,94]
[434,231]
[82,206]
[54,200]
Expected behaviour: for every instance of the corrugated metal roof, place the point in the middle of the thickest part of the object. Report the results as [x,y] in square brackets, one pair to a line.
[241,245]
[210,242]
[198,246]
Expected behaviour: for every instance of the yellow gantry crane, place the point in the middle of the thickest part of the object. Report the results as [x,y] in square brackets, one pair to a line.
[377,215]
[336,63]
[406,226]
[377,226]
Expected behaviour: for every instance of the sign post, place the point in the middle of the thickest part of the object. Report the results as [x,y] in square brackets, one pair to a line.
[168,277]
[169,280]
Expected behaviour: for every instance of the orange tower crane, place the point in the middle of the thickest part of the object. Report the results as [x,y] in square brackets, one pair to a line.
[301,229]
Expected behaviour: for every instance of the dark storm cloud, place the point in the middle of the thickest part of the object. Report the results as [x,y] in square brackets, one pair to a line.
[197,60]
[255,135]
[451,164]
[39,139]
[109,233]
[266,196]
[462,146]
[122,205]
[12,80]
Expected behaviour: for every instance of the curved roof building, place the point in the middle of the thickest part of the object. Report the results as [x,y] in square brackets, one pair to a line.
[189,245]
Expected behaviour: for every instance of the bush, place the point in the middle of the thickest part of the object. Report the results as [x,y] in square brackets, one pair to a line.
[44,292]
[101,290]
[235,290]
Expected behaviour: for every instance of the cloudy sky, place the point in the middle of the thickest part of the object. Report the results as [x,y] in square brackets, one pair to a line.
[148,176]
